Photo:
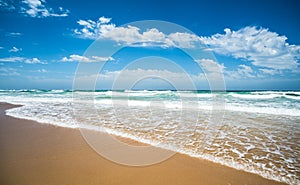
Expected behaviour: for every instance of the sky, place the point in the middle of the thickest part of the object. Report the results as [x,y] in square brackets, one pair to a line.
[211,44]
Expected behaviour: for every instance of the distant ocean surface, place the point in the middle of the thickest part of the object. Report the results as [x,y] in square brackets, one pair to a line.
[258,132]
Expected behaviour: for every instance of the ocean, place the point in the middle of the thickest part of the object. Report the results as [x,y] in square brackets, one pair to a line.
[254,131]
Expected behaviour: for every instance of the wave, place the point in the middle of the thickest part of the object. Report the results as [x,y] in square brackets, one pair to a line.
[266,95]
[274,103]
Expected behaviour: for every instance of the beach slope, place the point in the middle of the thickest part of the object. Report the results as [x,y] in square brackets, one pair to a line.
[34,153]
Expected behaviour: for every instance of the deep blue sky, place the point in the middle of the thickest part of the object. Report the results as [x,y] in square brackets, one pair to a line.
[42,41]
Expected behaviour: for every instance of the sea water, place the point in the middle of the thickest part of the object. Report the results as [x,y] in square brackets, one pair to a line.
[255,131]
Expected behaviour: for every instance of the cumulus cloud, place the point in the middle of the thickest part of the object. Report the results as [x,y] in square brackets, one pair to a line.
[267,52]
[132,35]
[79,58]
[15,49]
[33,61]
[259,45]
[22,59]
[37,8]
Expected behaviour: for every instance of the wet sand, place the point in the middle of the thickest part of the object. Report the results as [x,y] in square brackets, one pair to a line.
[35,153]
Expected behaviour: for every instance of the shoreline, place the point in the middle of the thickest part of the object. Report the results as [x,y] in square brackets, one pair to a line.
[35,153]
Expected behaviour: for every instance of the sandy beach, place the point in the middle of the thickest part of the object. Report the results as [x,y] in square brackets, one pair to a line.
[35,153]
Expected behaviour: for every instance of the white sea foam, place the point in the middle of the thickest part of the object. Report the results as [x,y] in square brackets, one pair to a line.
[264,110]
[255,96]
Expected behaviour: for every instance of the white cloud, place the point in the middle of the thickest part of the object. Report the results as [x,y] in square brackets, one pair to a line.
[259,45]
[14,34]
[22,59]
[213,73]
[8,71]
[79,58]
[268,51]
[15,49]
[268,71]
[104,20]
[184,40]
[242,72]
[1,47]
[211,66]
[102,59]
[245,71]
[89,23]
[150,78]
[12,59]
[214,70]
[32,61]
[37,8]
[42,70]
[132,35]
[137,73]
[7,5]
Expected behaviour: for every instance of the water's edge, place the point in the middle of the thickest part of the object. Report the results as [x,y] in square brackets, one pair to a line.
[135,139]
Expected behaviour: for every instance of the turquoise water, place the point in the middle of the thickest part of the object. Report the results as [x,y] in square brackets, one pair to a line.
[255,131]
